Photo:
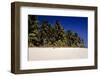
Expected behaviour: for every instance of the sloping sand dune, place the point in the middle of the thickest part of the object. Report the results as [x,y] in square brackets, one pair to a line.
[57,53]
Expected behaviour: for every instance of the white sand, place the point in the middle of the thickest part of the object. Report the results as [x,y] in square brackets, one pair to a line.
[57,53]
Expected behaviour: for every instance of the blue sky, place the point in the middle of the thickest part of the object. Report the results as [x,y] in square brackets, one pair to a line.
[75,24]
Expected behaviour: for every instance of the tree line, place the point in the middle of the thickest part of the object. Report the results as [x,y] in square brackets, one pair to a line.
[48,35]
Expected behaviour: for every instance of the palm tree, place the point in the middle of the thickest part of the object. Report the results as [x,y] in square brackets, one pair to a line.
[33,33]
[60,36]
[73,40]
[69,37]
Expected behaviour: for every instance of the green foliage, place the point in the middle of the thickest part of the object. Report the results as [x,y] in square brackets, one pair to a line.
[33,36]
[73,39]
[47,35]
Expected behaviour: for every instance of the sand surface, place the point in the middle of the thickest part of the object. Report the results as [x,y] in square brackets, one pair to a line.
[57,53]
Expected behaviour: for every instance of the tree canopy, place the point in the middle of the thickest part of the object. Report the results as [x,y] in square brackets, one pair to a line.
[48,35]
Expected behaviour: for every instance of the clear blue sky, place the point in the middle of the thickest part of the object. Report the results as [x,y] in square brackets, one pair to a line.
[75,24]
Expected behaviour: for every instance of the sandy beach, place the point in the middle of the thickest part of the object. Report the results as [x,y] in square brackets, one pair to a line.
[57,53]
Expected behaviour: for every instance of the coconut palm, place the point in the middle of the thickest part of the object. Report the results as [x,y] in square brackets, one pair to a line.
[33,36]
